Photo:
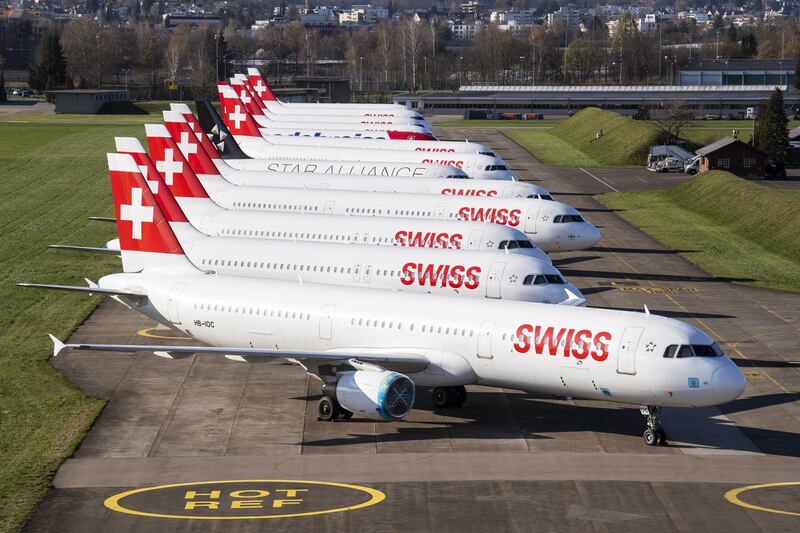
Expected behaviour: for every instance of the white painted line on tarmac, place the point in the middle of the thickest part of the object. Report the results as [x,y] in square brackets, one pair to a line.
[604,182]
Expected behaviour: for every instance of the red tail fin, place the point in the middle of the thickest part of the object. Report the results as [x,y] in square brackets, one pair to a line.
[246,98]
[236,117]
[170,163]
[190,146]
[145,238]
[256,98]
[259,85]
[166,202]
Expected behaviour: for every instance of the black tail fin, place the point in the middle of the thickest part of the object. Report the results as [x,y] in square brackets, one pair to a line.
[209,120]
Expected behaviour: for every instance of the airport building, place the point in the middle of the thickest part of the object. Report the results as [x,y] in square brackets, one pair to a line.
[702,100]
[739,72]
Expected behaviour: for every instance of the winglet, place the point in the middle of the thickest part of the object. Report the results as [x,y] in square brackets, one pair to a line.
[57,345]
[91,283]
[573,299]
[646,310]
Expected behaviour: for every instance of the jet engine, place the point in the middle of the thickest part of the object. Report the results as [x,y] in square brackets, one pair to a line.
[374,394]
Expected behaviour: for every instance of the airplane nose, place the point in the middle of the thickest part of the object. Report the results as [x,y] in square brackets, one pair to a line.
[591,234]
[728,382]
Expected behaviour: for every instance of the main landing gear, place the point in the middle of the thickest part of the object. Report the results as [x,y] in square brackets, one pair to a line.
[449,396]
[654,435]
[328,409]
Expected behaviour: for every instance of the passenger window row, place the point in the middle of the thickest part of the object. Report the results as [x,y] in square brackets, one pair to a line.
[256,311]
[288,207]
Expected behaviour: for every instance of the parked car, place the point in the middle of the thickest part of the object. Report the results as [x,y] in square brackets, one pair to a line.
[692,166]
[670,164]
[711,116]
[775,171]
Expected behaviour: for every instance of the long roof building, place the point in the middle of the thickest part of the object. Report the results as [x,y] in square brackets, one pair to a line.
[701,100]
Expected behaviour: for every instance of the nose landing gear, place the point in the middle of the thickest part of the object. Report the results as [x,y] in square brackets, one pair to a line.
[654,435]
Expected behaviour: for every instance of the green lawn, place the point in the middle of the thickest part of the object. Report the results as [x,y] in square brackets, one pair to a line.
[52,176]
[735,228]
[574,142]
[550,149]
[546,123]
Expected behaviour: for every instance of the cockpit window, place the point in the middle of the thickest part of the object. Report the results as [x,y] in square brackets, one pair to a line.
[512,245]
[543,279]
[546,197]
[554,278]
[490,154]
[525,244]
[496,167]
[563,219]
[457,177]
[693,350]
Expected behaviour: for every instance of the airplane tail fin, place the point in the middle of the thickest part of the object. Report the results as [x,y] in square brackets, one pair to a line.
[246,97]
[237,119]
[146,239]
[173,169]
[260,85]
[212,123]
[193,147]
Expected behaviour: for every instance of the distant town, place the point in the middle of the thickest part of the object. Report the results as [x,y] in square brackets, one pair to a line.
[164,48]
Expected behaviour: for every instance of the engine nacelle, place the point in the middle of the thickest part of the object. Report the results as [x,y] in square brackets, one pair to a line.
[377,395]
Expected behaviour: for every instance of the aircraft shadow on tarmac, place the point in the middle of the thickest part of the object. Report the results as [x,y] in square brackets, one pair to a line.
[577,259]
[674,314]
[649,277]
[611,249]
[763,363]
[572,194]
[486,416]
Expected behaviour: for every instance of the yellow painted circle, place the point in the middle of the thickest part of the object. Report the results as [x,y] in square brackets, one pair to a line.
[146,333]
[733,497]
[113,502]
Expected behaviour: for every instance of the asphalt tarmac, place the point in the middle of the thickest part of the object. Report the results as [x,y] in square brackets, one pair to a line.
[243,444]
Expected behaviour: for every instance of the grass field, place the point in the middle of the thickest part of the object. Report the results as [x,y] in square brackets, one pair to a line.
[52,176]
[624,141]
[737,229]
[546,123]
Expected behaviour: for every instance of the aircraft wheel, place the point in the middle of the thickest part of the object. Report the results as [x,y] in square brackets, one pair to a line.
[442,396]
[650,437]
[662,437]
[327,409]
[345,414]
[460,395]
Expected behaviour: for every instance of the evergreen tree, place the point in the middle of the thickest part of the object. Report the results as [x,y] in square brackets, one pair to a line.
[771,128]
[49,69]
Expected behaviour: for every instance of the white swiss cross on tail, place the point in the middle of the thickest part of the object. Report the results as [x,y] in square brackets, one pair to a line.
[187,148]
[260,88]
[237,117]
[153,184]
[169,166]
[136,213]
[244,97]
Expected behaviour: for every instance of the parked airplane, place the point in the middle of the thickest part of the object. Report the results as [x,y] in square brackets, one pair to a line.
[266,95]
[551,225]
[378,131]
[211,219]
[435,271]
[203,162]
[370,348]
[435,147]
[266,118]
[247,134]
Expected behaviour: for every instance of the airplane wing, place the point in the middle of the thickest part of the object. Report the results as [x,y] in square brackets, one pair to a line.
[415,362]
[92,289]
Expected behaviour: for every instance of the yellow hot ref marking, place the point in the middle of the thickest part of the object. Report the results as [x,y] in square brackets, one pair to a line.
[147,332]
[733,497]
[375,497]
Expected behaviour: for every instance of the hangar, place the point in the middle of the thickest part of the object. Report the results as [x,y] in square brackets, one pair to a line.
[702,100]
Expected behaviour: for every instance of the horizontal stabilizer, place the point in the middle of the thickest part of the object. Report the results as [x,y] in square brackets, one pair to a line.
[573,300]
[90,290]
[103,219]
[73,248]
[57,345]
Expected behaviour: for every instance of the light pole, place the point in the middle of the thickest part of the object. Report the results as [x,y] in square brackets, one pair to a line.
[216,41]
[308,58]
[460,71]
[361,73]
[521,69]
[97,38]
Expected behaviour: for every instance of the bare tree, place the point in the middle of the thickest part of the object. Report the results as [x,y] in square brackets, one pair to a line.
[151,43]
[79,41]
[412,33]
[385,37]
[670,120]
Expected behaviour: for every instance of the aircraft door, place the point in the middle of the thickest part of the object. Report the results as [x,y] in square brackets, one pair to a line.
[475,237]
[357,273]
[326,322]
[174,302]
[494,279]
[329,207]
[368,273]
[485,340]
[530,219]
[626,353]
